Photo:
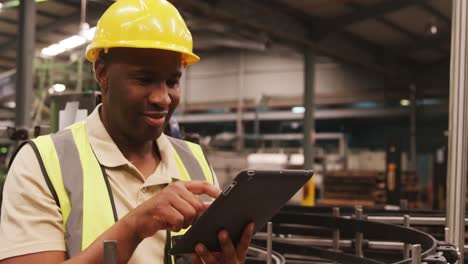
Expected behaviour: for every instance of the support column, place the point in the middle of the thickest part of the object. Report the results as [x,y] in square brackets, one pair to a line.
[309,98]
[458,125]
[79,74]
[240,103]
[24,62]
[309,121]
[413,151]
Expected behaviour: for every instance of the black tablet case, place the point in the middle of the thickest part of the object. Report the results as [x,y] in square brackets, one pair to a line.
[254,195]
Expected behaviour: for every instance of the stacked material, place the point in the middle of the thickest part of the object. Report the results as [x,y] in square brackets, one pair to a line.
[351,187]
[411,189]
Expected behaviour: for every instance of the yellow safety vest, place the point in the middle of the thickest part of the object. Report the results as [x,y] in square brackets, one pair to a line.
[75,177]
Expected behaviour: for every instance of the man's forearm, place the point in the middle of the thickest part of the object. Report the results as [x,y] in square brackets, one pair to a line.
[127,241]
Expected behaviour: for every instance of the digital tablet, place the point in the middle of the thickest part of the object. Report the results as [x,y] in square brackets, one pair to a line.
[253,196]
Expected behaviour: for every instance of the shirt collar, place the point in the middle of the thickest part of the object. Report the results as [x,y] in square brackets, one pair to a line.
[109,155]
[103,145]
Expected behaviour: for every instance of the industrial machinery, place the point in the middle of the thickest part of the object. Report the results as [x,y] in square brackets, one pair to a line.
[346,235]
[309,235]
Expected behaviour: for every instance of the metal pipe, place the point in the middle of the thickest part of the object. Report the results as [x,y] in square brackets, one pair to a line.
[321,114]
[43,95]
[269,242]
[406,247]
[345,243]
[458,126]
[83,12]
[413,151]
[256,126]
[359,235]
[298,136]
[336,232]
[415,220]
[416,254]
[240,107]
[24,63]
[260,253]
[79,74]
[323,242]
[309,120]
[110,252]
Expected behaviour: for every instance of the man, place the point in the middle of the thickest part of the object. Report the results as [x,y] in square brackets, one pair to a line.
[116,176]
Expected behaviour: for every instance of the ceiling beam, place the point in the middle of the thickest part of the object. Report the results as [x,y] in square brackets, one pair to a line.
[9,20]
[426,43]
[381,55]
[39,12]
[359,42]
[8,35]
[54,25]
[437,13]
[8,63]
[297,13]
[414,37]
[299,41]
[374,11]
[47,14]
[2,57]
[75,4]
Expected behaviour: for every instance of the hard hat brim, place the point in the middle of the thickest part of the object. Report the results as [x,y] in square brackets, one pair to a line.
[188,57]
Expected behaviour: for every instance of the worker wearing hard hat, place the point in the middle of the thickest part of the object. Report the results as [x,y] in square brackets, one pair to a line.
[116,176]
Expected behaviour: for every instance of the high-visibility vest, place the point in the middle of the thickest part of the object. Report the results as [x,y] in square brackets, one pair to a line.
[75,177]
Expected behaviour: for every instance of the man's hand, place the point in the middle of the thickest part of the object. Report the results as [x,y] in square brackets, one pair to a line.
[175,207]
[229,254]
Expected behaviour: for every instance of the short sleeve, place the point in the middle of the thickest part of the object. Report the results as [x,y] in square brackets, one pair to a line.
[31,221]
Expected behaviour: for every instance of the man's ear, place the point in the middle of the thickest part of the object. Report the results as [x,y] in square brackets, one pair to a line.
[100,73]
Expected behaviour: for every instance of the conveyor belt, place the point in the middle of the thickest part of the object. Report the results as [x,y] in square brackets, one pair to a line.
[257,254]
[294,224]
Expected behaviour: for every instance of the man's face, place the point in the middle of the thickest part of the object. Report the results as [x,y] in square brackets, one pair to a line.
[140,90]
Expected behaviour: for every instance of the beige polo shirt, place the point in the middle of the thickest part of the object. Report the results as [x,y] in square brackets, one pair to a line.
[31,220]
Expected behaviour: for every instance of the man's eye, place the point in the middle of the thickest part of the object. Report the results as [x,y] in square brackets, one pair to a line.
[172,83]
[144,80]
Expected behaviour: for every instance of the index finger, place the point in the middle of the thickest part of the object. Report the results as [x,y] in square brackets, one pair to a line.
[202,187]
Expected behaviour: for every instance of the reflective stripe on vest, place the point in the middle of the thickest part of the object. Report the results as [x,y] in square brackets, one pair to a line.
[81,186]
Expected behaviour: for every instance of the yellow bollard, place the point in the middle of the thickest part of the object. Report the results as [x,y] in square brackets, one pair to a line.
[309,193]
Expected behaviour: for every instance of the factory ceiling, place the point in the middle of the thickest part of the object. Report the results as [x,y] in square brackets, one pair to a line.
[393,37]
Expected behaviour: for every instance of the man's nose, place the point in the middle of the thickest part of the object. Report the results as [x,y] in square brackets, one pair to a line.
[160,95]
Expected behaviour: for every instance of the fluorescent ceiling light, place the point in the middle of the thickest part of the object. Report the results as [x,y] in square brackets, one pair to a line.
[72,42]
[298,109]
[69,43]
[10,104]
[15,3]
[52,50]
[405,102]
[89,33]
[58,87]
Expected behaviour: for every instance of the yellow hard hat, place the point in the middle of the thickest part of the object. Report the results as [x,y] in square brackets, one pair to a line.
[154,24]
